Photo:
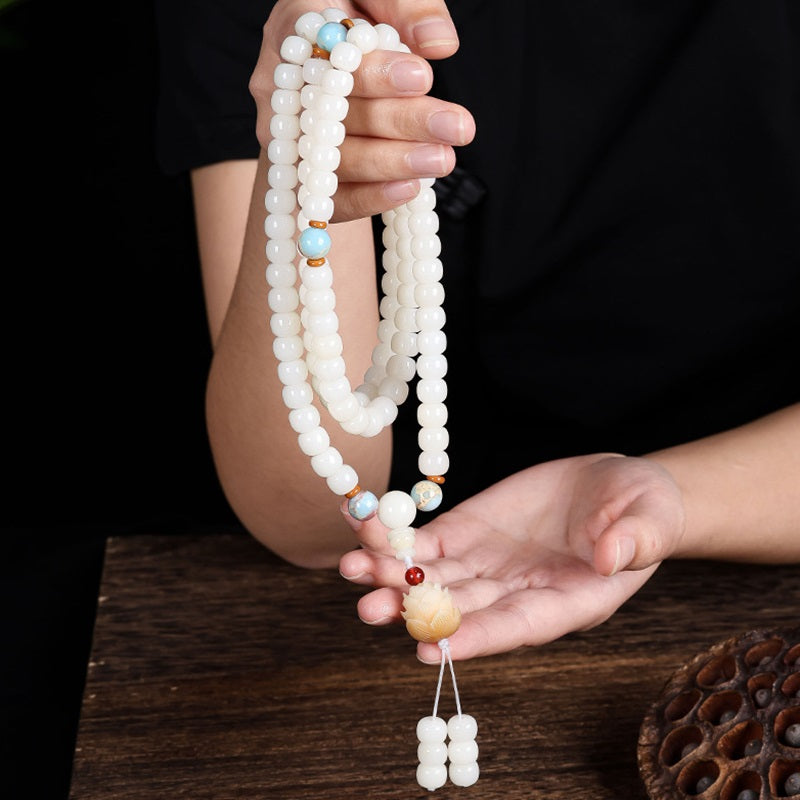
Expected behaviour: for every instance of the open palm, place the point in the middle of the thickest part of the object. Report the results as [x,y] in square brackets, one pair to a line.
[537,555]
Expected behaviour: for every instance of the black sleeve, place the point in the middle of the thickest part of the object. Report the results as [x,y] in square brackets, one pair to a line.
[207,50]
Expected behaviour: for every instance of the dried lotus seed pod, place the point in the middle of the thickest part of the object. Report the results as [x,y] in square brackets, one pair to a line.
[726,725]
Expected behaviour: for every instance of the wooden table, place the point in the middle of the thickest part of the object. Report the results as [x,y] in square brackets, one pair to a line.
[219,671]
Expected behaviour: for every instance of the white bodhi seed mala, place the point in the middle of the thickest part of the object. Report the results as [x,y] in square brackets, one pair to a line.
[310,103]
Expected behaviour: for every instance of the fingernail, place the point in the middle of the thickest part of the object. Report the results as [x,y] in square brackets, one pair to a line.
[435,32]
[425,660]
[354,523]
[427,159]
[626,549]
[379,621]
[409,76]
[351,577]
[400,191]
[447,126]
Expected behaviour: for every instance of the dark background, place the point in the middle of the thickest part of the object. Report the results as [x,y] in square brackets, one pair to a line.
[104,357]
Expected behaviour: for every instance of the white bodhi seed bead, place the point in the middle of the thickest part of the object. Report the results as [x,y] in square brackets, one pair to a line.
[304,419]
[433,439]
[462,751]
[292,372]
[308,25]
[327,462]
[314,442]
[365,37]
[283,299]
[462,727]
[388,37]
[432,415]
[464,774]
[431,776]
[295,49]
[333,14]
[298,395]
[433,462]
[288,76]
[282,176]
[431,729]
[288,348]
[345,56]
[431,390]
[430,753]
[342,480]
[337,81]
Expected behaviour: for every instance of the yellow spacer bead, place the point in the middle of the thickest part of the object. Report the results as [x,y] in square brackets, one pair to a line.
[316,223]
[315,262]
[348,23]
[353,492]
[435,478]
[318,52]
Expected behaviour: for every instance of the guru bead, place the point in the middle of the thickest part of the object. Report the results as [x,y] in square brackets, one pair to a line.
[396,510]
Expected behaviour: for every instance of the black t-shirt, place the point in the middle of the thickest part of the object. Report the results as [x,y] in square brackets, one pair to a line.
[620,241]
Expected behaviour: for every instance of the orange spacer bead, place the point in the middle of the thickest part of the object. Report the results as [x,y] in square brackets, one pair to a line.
[353,492]
[318,52]
[435,478]
[315,262]
[348,23]
[315,223]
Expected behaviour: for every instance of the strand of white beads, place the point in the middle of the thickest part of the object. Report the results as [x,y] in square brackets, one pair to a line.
[310,104]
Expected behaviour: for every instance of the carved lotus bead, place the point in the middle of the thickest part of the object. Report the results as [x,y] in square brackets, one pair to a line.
[430,613]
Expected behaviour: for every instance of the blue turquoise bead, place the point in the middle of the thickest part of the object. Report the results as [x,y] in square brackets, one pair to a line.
[363,506]
[427,495]
[330,34]
[314,242]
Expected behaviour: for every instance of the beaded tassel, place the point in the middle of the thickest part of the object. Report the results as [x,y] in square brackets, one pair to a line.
[310,103]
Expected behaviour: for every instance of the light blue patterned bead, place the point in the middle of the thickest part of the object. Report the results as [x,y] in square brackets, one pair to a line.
[427,495]
[330,34]
[363,506]
[314,242]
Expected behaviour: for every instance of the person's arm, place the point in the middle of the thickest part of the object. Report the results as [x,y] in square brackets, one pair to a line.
[221,196]
[558,547]
[267,479]
[741,491]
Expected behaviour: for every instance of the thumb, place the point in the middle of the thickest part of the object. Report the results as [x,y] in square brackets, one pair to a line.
[632,542]
[425,26]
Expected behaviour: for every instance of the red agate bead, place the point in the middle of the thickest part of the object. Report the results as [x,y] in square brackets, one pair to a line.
[414,576]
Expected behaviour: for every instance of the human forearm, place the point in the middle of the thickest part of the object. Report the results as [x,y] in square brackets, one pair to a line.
[741,491]
[267,479]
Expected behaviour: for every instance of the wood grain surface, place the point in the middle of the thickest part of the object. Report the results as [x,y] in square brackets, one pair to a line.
[219,671]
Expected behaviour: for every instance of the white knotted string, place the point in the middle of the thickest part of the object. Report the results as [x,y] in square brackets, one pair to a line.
[444,646]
